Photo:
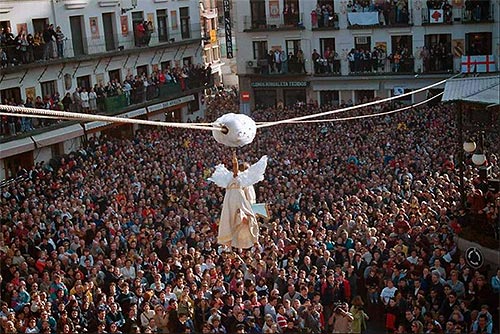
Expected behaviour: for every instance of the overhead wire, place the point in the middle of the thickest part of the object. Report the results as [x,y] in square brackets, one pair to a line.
[369,115]
[326,113]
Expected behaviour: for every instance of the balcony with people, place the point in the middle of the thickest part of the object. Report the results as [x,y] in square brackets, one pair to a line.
[52,45]
[477,11]
[289,18]
[323,17]
[111,98]
[436,58]
[437,12]
[363,14]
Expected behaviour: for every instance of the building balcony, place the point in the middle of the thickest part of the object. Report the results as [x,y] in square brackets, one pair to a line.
[113,105]
[377,19]
[97,47]
[287,68]
[281,22]
[480,13]
[436,16]
[331,22]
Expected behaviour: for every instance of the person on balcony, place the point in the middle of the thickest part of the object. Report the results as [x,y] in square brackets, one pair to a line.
[60,42]
[49,36]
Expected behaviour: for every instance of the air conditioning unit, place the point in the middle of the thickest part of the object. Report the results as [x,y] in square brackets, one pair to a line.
[252,64]
[362,40]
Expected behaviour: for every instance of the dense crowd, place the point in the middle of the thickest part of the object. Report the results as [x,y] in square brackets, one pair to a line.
[136,89]
[120,237]
[26,48]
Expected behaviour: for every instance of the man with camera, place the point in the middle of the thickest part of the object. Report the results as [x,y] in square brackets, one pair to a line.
[341,319]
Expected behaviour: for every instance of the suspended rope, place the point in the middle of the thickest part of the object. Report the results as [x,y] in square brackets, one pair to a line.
[300,118]
[47,113]
[370,115]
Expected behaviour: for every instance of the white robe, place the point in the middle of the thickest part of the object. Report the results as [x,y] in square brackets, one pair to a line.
[236,206]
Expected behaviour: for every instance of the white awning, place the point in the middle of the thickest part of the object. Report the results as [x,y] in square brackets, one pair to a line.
[476,89]
[17,146]
[99,124]
[57,136]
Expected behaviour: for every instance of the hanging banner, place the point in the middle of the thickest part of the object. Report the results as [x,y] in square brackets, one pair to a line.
[124,24]
[274,9]
[94,28]
[227,26]
[436,16]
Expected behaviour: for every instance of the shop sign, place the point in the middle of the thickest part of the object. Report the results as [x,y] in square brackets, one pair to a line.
[277,84]
[171,103]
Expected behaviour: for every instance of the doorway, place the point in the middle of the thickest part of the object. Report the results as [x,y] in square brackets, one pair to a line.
[363,96]
[77,35]
[265,98]
[363,42]
[11,94]
[137,17]
[294,96]
[83,82]
[108,20]
[39,25]
[161,17]
[14,163]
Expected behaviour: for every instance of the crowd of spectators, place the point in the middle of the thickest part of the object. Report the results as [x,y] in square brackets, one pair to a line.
[136,89]
[120,236]
[27,48]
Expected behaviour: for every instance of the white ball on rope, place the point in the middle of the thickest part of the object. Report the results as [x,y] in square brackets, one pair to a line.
[237,130]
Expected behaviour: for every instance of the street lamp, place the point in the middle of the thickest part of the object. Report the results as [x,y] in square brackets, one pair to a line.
[479,156]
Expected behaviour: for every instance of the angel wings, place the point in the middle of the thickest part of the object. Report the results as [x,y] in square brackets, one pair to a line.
[255,173]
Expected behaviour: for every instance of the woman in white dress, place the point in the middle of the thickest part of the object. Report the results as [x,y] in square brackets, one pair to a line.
[84,96]
[238,226]
[93,100]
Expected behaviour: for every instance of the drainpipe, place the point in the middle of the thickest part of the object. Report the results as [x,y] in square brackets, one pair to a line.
[52,5]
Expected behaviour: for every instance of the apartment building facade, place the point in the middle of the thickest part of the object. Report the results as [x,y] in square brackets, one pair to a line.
[410,44]
[102,43]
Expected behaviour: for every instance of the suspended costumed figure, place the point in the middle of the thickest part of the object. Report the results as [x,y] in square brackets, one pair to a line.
[238,226]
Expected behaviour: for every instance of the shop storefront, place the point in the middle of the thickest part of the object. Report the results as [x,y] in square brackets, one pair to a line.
[273,93]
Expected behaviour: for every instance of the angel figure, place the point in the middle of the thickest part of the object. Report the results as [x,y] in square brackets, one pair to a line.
[238,226]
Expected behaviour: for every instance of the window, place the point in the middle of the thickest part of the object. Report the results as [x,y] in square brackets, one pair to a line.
[115,75]
[326,44]
[478,44]
[184,14]
[291,12]
[11,94]
[362,42]
[48,88]
[258,13]
[39,24]
[402,43]
[259,49]
[161,17]
[142,70]
[187,61]
[207,57]
[165,65]
[137,19]
[84,82]
[216,53]
[329,97]
[438,50]
[292,46]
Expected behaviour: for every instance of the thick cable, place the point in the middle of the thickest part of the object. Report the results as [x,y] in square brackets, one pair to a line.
[26,112]
[369,115]
[300,118]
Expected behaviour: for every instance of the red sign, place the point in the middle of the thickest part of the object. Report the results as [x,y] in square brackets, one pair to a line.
[245,96]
